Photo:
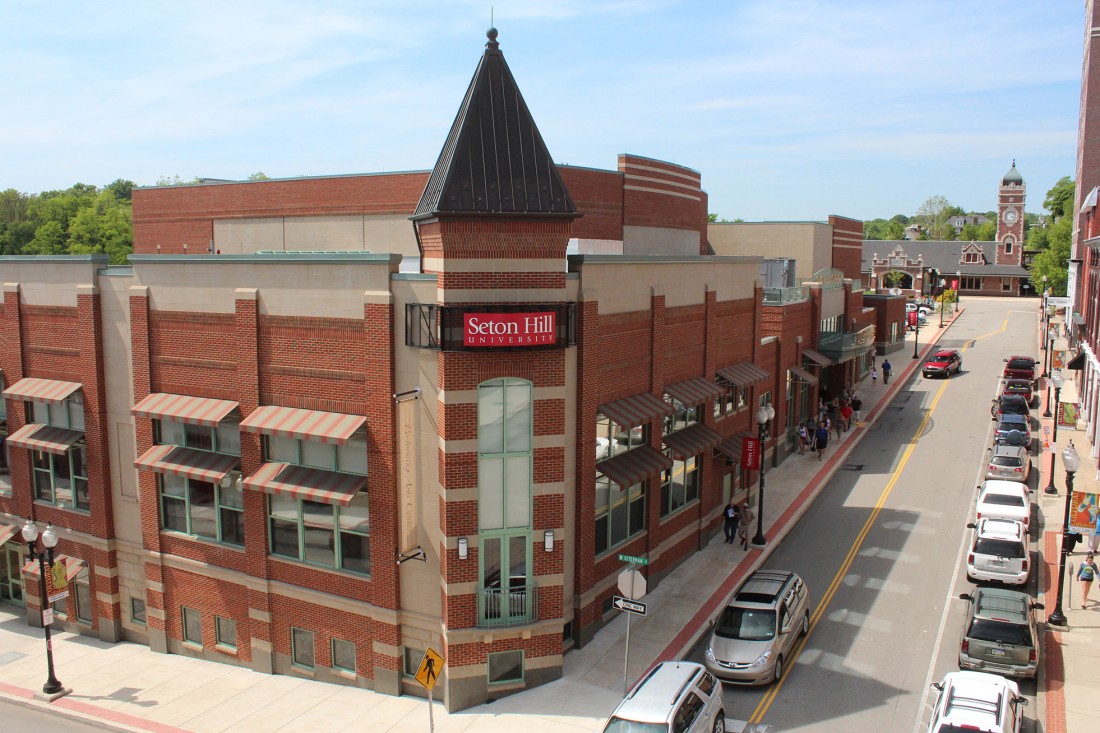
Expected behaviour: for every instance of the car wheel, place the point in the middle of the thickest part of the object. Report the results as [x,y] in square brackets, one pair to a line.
[778,668]
[720,724]
[806,623]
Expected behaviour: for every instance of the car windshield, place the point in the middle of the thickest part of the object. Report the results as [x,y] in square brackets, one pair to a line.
[1000,632]
[999,548]
[1003,500]
[1007,461]
[618,725]
[751,624]
[1021,364]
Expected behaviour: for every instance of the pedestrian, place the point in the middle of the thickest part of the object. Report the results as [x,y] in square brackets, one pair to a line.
[874,376]
[1086,575]
[857,407]
[731,517]
[846,414]
[821,438]
[743,530]
[886,369]
[803,438]
[838,424]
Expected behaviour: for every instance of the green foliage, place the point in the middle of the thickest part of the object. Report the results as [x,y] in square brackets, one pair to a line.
[259,176]
[1052,260]
[892,228]
[934,216]
[893,277]
[49,239]
[79,220]
[1059,200]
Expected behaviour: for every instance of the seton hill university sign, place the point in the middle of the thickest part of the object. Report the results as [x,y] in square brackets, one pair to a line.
[509,329]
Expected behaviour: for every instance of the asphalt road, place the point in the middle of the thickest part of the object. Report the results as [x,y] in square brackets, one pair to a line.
[882,549]
[18,718]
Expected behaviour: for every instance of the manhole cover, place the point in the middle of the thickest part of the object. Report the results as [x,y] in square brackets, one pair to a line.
[9,657]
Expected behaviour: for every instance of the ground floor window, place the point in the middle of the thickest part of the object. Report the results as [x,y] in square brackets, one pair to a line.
[680,485]
[971,283]
[505,667]
[137,611]
[1007,283]
[225,632]
[620,512]
[5,467]
[192,626]
[11,573]
[82,597]
[410,661]
[301,648]
[343,655]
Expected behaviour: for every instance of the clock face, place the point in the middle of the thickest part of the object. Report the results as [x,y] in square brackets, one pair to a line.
[1010,216]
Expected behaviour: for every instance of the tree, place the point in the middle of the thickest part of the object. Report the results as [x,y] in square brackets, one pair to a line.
[1052,260]
[259,176]
[121,188]
[49,239]
[894,229]
[1059,200]
[893,277]
[104,228]
[934,215]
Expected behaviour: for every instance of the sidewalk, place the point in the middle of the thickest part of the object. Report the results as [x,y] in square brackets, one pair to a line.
[127,687]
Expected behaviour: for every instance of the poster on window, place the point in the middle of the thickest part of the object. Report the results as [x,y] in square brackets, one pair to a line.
[1084,516]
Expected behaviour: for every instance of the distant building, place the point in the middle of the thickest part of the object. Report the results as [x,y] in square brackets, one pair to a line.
[958,222]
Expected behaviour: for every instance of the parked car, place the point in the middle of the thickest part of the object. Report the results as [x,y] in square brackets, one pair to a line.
[1020,367]
[1004,500]
[758,627]
[943,363]
[1021,387]
[674,696]
[923,308]
[1010,404]
[999,633]
[998,552]
[1013,430]
[1009,461]
[976,701]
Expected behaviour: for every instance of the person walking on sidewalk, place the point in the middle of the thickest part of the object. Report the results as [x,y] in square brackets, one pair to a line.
[838,423]
[857,407]
[803,439]
[874,376]
[743,530]
[1087,574]
[821,439]
[886,369]
[846,415]
[731,517]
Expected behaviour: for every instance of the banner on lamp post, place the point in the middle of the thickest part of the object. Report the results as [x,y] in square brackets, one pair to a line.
[750,453]
[1084,513]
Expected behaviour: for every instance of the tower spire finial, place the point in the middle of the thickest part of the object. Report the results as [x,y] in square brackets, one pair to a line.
[491,34]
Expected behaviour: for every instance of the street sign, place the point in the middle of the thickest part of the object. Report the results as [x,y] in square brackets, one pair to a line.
[47,617]
[632,584]
[430,667]
[635,560]
[625,604]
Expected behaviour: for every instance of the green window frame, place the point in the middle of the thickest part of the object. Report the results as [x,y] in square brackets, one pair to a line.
[225,438]
[137,611]
[191,620]
[680,485]
[82,598]
[411,658]
[62,479]
[68,414]
[505,667]
[5,459]
[683,416]
[620,512]
[225,632]
[343,655]
[307,531]
[202,509]
[302,652]
[350,457]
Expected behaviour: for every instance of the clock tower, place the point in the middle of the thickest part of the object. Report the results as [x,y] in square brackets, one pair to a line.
[1010,219]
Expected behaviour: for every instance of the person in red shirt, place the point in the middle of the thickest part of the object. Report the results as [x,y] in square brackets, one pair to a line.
[846,414]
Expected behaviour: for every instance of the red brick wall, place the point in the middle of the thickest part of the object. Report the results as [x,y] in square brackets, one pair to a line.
[676,203]
[847,246]
[598,196]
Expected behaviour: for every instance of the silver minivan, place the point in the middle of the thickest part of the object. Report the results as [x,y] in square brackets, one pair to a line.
[675,697]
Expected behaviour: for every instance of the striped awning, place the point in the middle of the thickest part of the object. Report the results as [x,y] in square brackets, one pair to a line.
[326,487]
[731,447]
[193,410]
[631,412]
[197,464]
[816,357]
[691,441]
[804,375]
[41,390]
[7,531]
[744,374]
[634,466]
[73,565]
[36,436]
[694,391]
[291,422]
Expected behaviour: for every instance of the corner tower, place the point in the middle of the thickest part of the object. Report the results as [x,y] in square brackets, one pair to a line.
[1010,218]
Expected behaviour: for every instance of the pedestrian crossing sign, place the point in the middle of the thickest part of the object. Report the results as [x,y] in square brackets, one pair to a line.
[430,668]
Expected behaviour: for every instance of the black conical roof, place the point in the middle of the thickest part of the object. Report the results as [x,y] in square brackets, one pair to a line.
[1013,175]
[494,161]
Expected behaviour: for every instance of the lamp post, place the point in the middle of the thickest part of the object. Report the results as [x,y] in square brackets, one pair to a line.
[1072,462]
[45,561]
[1058,380]
[916,332]
[1051,335]
[942,300]
[763,416]
[958,290]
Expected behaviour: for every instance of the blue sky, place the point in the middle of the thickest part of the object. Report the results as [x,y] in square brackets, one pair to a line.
[790,110]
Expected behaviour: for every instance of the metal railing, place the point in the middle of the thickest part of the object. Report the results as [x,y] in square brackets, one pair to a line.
[512,607]
[781,296]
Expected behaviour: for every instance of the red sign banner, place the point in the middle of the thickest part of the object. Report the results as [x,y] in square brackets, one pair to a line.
[750,453]
[509,329]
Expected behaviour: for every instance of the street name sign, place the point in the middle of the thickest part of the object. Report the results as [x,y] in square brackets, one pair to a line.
[635,560]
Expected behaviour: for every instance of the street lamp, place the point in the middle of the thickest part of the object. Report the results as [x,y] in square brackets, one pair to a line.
[1072,462]
[1051,335]
[45,561]
[916,331]
[763,416]
[1058,380]
[942,300]
[958,290]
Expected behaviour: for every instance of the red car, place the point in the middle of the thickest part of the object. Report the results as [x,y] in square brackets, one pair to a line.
[942,363]
[1020,387]
[1020,367]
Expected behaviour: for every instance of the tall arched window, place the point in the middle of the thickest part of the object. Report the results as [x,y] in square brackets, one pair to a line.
[504,500]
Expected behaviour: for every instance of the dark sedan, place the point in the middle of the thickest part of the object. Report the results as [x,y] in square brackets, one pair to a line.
[1020,387]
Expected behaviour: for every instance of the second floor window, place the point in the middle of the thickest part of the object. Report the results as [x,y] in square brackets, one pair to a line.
[321,534]
[68,414]
[350,457]
[225,438]
[62,479]
[202,509]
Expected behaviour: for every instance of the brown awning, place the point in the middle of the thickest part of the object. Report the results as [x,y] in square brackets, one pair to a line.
[197,464]
[73,565]
[639,409]
[731,447]
[291,422]
[816,357]
[694,391]
[691,441]
[36,436]
[326,487]
[804,375]
[41,390]
[634,466]
[1077,363]
[194,410]
[744,374]
[7,531]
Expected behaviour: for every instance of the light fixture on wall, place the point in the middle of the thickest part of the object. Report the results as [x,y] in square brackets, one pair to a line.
[227,480]
[548,540]
[463,548]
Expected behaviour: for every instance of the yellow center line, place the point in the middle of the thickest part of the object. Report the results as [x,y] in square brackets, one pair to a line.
[853,551]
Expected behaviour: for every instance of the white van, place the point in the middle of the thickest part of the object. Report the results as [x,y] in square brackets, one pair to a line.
[675,697]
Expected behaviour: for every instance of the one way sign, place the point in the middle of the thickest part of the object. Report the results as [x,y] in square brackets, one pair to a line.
[625,604]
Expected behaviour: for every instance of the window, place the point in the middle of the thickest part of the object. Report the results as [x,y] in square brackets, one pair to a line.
[831,324]
[83,599]
[348,458]
[68,414]
[301,648]
[971,283]
[506,667]
[202,509]
[225,438]
[137,611]
[680,485]
[410,661]
[1006,284]
[321,534]
[682,416]
[687,713]
[343,655]
[613,440]
[1009,241]
[62,479]
[5,465]
[620,512]
[192,626]
[732,401]
[225,632]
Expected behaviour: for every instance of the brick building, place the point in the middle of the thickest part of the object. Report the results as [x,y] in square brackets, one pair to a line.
[302,434]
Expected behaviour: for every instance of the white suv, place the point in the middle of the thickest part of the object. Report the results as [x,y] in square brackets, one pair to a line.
[998,552]
[977,701]
[675,697]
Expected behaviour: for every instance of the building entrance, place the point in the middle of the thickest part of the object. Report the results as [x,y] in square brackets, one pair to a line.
[11,575]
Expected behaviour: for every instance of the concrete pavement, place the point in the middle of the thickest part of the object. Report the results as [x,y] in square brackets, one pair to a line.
[127,687]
